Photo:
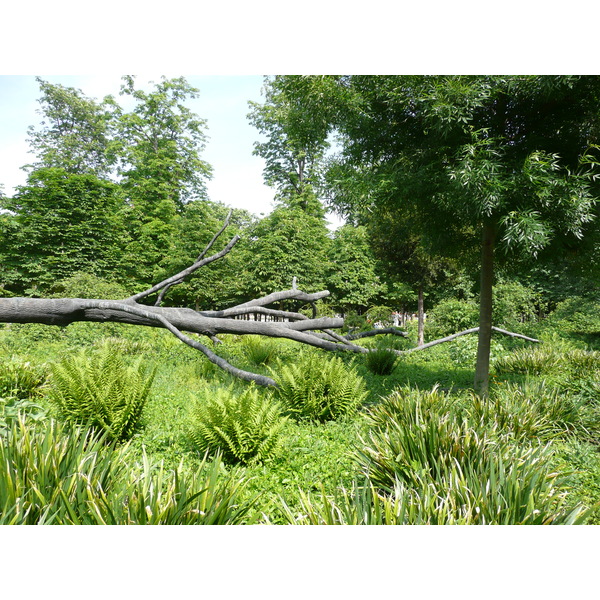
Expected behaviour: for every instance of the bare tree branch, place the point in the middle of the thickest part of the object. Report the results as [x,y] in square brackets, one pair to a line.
[175,279]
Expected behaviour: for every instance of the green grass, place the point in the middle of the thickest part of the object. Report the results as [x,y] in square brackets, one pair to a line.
[315,473]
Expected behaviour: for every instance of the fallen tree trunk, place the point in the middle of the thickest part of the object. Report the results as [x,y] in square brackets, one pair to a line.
[293,325]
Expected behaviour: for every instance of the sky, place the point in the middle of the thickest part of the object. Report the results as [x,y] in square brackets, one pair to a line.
[237,174]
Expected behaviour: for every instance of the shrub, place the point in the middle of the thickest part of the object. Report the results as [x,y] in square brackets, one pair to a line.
[320,388]
[63,475]
[259,351]
[421,443]
[504,500]
[451,316]
[100,389]
[538,360]
[20,379]
[88,285]
[381,361]
[245,427]
[533,411]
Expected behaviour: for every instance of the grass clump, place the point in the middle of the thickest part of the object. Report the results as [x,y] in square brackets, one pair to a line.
[245,427]
[381,361]
[259,351]
[20,379]
[62,475]
[102,390]
[423,446]
[321,389]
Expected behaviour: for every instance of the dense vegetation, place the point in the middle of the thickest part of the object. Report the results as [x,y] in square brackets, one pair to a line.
[110,423]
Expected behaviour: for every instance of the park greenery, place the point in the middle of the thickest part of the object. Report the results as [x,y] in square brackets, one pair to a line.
[470,207]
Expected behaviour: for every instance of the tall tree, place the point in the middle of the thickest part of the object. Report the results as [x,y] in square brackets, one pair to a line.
[59,223]
[161,141]
[76,133]
[352,272]
[499,158]
[295,142]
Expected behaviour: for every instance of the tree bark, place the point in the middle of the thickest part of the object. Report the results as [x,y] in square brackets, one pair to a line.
[482,366]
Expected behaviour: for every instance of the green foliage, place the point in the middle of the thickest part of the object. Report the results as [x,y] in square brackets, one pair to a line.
[63,223]
[320,388]
[547,359]
[426,505]
[61,476]
[381,361]
[75,133]
[451,316]
[88,285]
[465,474]
[100,389]
[20,379]
[258,350]
[352,272]
[287,243]
[534,412]
[245,427]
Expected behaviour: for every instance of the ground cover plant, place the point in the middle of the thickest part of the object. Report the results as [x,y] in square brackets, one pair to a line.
[415,447]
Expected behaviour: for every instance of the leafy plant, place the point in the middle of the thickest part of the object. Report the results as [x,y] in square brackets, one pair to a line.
[20,379]
[466,474]
[101,389]
[245,427]
[320,388]
[533,411]
[427,505]
[61,475]
[381,361]
[259,351]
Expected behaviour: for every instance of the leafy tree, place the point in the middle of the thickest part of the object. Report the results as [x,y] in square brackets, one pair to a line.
[287,243]
[495,158]
[60,223]
[295,143]
[352,274]
[220,285]
[76,133]
[161,169]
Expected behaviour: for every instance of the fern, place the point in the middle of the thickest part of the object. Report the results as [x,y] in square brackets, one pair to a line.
[245,427]
[320,389]
[102,390]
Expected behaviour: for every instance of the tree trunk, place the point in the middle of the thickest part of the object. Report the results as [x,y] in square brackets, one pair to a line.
[482,367]
[421,318]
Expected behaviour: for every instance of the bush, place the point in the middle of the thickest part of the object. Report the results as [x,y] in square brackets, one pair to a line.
[87,285]
[100,389]
[245,427]
[533,411]
[319,388]
[421,444]
[451,316]
[61,476]
[259,351]
[381,361]
[20,379]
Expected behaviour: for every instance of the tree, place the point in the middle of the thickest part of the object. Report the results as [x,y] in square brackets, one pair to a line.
[160,142]
[499,158]
[295,144]
[352,272]
[60,223]
[289,243]
[76,133]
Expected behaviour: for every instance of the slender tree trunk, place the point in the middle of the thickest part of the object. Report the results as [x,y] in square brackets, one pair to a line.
[421,318]
[482,367]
